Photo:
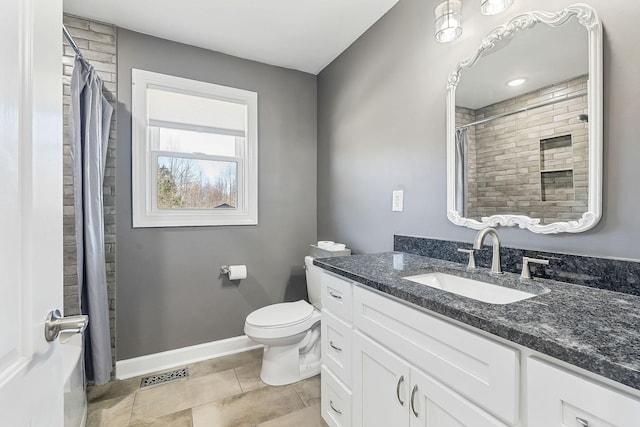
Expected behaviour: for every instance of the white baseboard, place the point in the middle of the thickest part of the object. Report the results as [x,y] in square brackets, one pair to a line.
[182,356]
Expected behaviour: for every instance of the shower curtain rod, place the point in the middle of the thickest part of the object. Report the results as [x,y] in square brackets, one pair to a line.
[522,110]
[71,41]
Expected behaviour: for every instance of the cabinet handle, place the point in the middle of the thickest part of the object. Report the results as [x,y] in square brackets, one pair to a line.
[336,296]
[582,422]
[413,407]
[400,381]
[334,347]
[337,411]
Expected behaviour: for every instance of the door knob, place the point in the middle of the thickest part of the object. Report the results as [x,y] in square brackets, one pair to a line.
[55,323]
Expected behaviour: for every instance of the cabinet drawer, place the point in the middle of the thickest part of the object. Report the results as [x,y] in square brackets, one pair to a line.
[576,400]
[335,400]
[481,370]
[336,346]
[336,296]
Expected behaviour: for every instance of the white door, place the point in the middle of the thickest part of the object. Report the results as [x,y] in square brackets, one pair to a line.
[380,385]
[432,404]
[31,384]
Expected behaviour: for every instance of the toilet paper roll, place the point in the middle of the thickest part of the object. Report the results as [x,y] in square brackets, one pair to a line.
[237,272]
[325,244]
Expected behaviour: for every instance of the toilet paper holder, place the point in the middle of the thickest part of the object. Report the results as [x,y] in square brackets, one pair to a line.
[234,272]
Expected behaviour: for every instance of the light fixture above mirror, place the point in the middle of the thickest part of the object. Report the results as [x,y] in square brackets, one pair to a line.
[493,7]
[448,21]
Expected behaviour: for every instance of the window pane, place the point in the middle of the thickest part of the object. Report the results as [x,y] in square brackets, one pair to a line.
[196,183]
[193,142]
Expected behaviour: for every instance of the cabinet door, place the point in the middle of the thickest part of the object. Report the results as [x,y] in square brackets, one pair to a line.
[558,398]
[432,404]
[380,386]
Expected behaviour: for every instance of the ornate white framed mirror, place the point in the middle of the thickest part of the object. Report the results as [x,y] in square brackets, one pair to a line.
[524,125]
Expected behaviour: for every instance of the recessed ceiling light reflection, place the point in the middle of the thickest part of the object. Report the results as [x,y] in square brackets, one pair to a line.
[516,82]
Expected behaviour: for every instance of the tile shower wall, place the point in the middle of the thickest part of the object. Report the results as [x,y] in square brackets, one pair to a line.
[532,163]
[97,41]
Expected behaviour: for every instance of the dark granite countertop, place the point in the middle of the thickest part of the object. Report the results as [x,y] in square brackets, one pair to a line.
[594,329]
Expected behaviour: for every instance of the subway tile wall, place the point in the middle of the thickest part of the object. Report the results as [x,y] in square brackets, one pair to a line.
[520,164]
[97,42]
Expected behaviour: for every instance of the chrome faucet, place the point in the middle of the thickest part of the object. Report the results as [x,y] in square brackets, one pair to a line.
[477,244]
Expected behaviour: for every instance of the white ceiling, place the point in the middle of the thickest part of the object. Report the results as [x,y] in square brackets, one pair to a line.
[305,35]
[543,55]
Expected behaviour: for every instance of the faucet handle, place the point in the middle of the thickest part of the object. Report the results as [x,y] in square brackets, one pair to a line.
[526,273]
[472,259]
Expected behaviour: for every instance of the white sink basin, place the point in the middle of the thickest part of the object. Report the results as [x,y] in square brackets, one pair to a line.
[470,288]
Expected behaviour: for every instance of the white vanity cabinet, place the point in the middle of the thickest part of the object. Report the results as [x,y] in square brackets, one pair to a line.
[559,398]
[388,364]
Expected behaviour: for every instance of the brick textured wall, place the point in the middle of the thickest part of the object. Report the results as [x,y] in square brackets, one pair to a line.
[517,165]
[97,42]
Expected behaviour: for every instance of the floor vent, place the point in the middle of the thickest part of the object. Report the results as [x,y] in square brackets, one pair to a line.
[164,378]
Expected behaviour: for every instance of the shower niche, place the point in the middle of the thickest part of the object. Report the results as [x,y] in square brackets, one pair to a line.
[559,176]
[556,169]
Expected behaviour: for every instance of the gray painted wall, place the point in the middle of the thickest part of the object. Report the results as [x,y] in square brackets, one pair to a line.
[381,126]
[169,291]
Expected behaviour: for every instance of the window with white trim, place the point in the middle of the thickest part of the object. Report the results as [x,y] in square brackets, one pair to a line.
[194,153]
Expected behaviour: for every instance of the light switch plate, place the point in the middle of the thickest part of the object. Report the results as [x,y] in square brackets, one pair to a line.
[397,205]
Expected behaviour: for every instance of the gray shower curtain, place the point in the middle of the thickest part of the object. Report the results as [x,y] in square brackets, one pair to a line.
[462,143]
[90,120]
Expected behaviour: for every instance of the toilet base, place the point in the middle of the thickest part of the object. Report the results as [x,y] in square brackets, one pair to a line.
[285,364]
[275,374]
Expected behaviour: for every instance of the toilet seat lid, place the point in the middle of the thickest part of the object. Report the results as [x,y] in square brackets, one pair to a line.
[279,315]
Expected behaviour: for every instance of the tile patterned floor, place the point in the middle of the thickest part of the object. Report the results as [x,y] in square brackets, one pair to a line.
[222,392]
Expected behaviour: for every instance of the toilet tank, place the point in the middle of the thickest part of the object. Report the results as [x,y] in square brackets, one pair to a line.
[313,282]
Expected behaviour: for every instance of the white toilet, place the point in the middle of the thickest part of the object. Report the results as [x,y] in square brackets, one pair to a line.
[290,333]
